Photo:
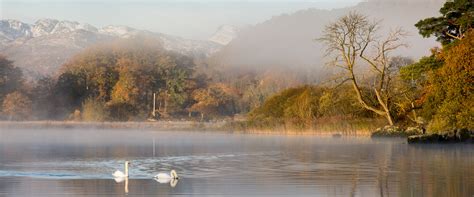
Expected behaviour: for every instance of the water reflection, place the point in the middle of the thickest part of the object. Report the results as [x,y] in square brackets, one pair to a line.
[66,163]
[123,179]
[171,182]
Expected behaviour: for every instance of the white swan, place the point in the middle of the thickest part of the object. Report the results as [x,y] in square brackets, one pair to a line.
[118,174]
[165,177]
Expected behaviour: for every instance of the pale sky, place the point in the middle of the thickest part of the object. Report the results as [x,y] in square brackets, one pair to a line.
[195,19]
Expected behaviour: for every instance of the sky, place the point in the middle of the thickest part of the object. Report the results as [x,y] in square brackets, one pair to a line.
[193,19]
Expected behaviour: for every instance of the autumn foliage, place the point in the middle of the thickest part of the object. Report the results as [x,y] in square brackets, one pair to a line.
[451,87]
[17,106]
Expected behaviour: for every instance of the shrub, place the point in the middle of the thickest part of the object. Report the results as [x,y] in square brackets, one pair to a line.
[94,110]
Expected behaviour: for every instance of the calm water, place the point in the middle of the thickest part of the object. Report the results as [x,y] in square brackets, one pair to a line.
[80,163]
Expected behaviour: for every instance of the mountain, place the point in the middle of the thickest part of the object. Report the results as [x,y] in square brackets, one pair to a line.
[288,41]
[225,34]
[41,48]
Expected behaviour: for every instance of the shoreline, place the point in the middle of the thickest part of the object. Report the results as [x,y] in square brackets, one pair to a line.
[221,126]
[203,127]
[157,125]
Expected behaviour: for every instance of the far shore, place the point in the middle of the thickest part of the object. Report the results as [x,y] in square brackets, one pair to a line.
[218,126]
[154,125]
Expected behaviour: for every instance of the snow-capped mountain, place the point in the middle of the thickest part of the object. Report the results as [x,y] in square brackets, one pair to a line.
[225,34]
[41,48]
[11,30]
[119,31]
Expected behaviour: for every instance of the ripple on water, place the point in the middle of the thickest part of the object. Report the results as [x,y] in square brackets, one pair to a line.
[141,168]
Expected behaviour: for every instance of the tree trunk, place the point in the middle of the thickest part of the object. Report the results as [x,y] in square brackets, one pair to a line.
[165,103]
[154,105]
[389,118]
[385,112]
[384,106]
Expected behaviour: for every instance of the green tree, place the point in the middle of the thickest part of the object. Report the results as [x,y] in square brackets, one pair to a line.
[457,18]
[412,82]
[176,73]
[417,73]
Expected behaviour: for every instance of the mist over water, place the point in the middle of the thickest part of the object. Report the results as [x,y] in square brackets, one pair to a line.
[80,162]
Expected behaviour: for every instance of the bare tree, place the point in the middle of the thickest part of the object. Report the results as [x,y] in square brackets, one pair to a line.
[352,41]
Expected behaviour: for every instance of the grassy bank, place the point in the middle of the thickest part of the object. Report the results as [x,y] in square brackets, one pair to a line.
[320,127]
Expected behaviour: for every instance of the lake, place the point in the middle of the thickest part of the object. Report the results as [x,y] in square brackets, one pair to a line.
[80,163]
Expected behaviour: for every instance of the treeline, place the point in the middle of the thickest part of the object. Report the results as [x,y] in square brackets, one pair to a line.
[117,81]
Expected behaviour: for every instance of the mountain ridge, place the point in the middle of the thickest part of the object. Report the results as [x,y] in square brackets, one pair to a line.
[42,47]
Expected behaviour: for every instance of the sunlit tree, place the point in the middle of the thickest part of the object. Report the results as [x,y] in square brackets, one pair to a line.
[450,88]
[353,42]
[456,20]
[17,106]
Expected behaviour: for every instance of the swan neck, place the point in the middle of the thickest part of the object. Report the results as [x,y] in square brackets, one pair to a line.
[126,169]
[173,174]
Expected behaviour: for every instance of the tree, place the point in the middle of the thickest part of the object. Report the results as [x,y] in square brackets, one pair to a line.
[349,40]
[43,98]
[125,90]
[125,74]
[211,101]
[457,18]
[175,74]
[11,77]
[413,80]
[69,93]
[17,106]
[417,73]
[450,88]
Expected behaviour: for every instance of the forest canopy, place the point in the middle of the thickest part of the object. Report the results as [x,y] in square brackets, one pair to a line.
[117,81]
